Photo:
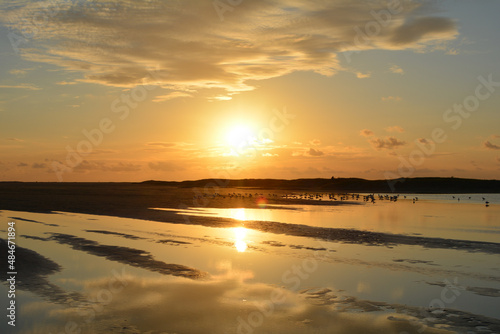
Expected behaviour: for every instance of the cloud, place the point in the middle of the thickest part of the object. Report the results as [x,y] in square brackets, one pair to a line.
[167,144]
[184,46]
[315,153]
[394,128]
[102,151]
[221,98]
[391,98]
[388,143]
[15,139]
[39,165]
[18,72]
[334,152]
[21,86]
[360,75]
[396,69]
[89,166]
[162,144]
[164,166]
[315,142]
[475,164]
[64,83]
[422,29]
[487,144]
[366,133]
[170,96]
[22,164]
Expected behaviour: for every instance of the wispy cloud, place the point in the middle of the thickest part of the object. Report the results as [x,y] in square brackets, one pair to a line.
[361,75]
[39,165]
[171,96]
[489,145]
[396,69]
[19,72]
[165,166]
[65,83]
[391,98]
[21,86]
[395,128]
[366,133]
[167,144]
[388,143]
[104,166]
[315,153]
[189,48]
[98,151]
[423,29]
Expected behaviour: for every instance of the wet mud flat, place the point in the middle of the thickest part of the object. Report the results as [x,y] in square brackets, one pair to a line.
[319,310]
[137,200]
[199,291]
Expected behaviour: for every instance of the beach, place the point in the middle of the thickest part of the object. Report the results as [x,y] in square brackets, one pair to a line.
[249,167]
[169,260]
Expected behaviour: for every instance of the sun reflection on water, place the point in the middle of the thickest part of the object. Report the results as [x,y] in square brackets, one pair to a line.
[239,236]
[239,214]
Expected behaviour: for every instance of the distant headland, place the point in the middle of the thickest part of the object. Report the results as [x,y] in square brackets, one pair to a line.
[423,185]
[436,185]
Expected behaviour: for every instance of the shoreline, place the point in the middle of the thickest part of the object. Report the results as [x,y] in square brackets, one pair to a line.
[129,201]
[348,236]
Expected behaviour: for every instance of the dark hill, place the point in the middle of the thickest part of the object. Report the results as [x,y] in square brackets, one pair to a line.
[402,185]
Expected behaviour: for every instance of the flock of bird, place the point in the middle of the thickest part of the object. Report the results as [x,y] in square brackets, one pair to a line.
[306,196]
[487,204]
[318,196]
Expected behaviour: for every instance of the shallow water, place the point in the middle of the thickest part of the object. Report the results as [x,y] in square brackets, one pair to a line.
[320,279]
[441,219]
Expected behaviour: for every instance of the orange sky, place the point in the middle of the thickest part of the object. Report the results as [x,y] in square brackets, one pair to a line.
[175,90]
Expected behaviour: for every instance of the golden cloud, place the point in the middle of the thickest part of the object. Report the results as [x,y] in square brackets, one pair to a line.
[184,45]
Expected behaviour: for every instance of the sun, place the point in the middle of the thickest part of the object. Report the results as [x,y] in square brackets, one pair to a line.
[239,136]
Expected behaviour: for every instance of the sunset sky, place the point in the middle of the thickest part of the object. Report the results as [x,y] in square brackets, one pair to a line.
[175,90]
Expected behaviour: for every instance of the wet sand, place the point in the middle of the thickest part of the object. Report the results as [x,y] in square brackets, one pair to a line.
[34,269]
[127,255]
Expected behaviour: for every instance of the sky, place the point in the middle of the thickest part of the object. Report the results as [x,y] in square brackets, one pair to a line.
[179,90]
